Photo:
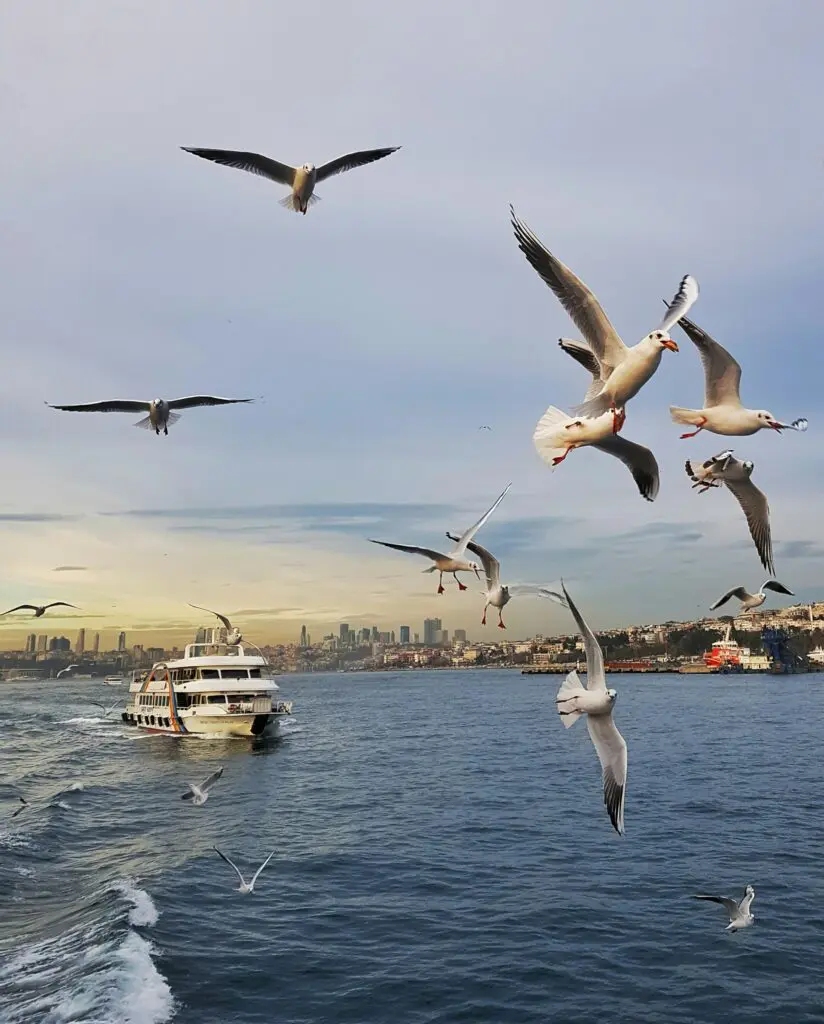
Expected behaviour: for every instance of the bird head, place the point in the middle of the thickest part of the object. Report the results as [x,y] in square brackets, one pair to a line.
[750,891]
[612,694]
[766,419]
[661,340]
[158,403]
[748,467]
[475,568]
[308,168]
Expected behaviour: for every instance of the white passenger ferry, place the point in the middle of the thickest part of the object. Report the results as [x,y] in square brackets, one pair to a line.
[215,688]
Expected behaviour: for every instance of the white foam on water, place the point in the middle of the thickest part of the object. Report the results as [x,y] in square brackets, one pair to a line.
[81,721]
[144,913]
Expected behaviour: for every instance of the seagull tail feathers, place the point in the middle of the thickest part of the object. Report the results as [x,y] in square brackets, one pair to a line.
[593,408]
[571,688]
[145,423]
[689,417]
[548,437]
[291,202]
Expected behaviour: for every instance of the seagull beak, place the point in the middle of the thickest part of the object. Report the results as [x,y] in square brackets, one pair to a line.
[670,344]
[477,573]
[777,426]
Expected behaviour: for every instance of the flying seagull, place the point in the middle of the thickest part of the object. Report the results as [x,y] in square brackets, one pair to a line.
[723,412]
[639,460]
[736,476]
[751,601]
[40,610]
[161,413]
[557,434]
[301,180]
[622,371]
[455,561]
[233,635]
[244,885]
[200,794]
[103,707]
[24,805]
[740,916]
[65,671]
[596,702]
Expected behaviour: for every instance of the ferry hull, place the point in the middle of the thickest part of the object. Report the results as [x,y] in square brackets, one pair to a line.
[213,725]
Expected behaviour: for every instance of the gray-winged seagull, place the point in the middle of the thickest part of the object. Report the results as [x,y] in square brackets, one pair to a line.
[200,794]
[161,413]
[233,635]
[740,916]
[244,885]
[40,609]
[750,601]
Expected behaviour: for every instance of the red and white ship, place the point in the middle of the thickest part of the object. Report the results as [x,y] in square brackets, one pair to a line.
[726,655]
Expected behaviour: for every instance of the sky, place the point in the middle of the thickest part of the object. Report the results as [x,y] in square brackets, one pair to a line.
[383,329]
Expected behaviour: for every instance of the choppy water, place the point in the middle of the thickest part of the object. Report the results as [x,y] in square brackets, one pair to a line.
[443,855]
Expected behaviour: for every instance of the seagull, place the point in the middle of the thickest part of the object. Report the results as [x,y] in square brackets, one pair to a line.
[233,635]
[484,427]
[301,180]
[103,707]
[200,794]
[596,702]
[455,561]
[244,885]
[736,475]
[40,610]
[22,808]
[751,601]
[740,916]
[723,412]
[622,371]
[63,671]
[161,413]
[557,434]
[639,460]
[496,595]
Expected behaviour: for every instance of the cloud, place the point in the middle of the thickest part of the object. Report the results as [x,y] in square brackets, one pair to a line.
[34,517]
[799,549]
[70,568]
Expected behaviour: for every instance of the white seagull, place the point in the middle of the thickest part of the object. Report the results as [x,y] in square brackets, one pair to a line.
[40,610]
[65,671]
[455,561]
[200,794]
[300,180]
[161,413]
[233,635]
[736,476]
[244,885]
[622,371]
[103,707]
[639,460]
[557,433]
[596,702]
[750,601]
[740,916]
[723,412]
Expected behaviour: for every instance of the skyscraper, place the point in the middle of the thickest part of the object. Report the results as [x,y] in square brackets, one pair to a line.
[404,634]
[375,634]
[443,637]
[31,643]
[344,633]
[121,642]
[460,636]
[80,646]
[96,644]
[431,629]
[42,643]
[303,636]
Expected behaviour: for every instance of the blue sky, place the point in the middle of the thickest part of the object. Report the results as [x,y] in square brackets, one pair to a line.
[639,141]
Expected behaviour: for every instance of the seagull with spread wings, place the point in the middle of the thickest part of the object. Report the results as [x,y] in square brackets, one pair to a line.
[161,413]
[623,371]
[233,635]
[300,180]
[455,561]
[40,610]
[750,601]
[723,412]
[739,912]
[596,702]
[200,794]
[736,477]
[244,885]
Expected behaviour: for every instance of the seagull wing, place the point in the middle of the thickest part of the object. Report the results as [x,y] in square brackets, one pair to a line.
[195,400]
[60,604]
[190,795]
[231,864]
[579,302]
[492,567]
[584,355]
[596,677]
[756,509]
[262,866]
[222,618]
[730,905]
[779,588]
[115,405]
[744,905]
[351,160]
[722,374]
[470,533]
[252,162]
[426,552]
[738,592]
[639,461]
[611,748]
[207,784]
[20,607]
[24,804]
[679,307]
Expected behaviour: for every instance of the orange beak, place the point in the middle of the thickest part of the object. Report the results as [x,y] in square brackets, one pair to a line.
[670,344]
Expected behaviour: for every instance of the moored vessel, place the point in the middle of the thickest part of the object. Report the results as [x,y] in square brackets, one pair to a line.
[114,680]
[215,688]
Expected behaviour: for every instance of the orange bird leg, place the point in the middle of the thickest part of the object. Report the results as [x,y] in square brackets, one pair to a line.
[697,430]
[501,619]
[483,620]
[560,458]
[460,585]
[440,584]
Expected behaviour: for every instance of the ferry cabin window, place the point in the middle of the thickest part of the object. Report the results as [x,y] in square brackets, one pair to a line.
[254,673]
[183,700]
[187,673]
[234,673]
[216,698]
[209,673]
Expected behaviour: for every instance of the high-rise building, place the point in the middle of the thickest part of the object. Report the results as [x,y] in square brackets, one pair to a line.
[42,643]
[375,634]
[60,643]
[344,633]
[31,643]
[431,629]
[417,638]
[121,642]
[80,646]
[303,637]
[352,639]
[404,634]
[459,636]
[200,636]
[365,635]
[443,637]
[96,644]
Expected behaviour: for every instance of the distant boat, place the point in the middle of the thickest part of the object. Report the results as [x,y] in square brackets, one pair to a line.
[727,656]
[114,680]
